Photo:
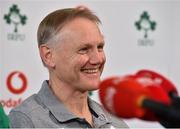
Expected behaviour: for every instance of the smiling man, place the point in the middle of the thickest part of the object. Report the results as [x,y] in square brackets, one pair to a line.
[71,47]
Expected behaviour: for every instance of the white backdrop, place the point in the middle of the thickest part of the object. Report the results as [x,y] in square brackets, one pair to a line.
[126,48]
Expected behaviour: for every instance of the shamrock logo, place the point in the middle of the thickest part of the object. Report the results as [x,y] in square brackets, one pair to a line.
[15,17]
[145,24]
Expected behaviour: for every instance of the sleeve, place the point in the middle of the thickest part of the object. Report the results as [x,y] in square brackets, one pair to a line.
[20,120]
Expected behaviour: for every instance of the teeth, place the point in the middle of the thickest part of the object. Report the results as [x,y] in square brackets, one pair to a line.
[90,70]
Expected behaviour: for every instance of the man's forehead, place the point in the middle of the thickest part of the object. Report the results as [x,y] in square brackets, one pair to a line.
[78,23]
[75,30]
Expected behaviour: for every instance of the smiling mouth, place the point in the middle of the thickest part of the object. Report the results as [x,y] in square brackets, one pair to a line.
[90,70]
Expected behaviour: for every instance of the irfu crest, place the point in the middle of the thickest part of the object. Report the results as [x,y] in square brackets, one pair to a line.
[14,17]
[145,24]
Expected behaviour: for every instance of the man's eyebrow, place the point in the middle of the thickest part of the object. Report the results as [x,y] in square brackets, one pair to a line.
[102,43]
[89,44]
[85,45]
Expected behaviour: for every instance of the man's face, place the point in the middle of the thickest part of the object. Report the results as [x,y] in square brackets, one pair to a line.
[79,58]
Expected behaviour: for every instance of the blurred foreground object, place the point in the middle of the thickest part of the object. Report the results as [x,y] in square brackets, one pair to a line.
[4,120]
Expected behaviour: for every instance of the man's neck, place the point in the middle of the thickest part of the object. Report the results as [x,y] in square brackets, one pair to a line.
[74,100]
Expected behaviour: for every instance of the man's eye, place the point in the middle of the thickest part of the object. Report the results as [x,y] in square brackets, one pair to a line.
[83,50]
[100,47]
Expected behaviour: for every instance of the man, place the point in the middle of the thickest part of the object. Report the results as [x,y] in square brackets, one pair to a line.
[71,47]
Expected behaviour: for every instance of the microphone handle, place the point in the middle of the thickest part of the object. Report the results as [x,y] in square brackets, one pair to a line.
[175,100]
[162,110]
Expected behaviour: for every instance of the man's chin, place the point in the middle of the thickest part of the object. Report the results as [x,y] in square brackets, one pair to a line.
[93,86]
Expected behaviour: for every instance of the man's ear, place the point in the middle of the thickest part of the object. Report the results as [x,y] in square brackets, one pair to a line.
[46,54]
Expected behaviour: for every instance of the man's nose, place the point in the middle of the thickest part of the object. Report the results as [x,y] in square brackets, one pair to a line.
[96,57]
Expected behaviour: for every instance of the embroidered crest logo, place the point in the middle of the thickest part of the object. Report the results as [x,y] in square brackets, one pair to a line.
[15,17]
[145,24]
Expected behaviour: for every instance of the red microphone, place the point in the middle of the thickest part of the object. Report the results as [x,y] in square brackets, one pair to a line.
[157,94]
[138,96]
[163,82]
[121,96]
[159,79]
[126,97]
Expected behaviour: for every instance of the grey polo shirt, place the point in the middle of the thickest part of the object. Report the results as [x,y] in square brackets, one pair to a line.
[44,110]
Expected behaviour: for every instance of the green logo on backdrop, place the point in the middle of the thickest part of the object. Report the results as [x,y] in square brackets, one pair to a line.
[145,24]
[15,18]
[90,93]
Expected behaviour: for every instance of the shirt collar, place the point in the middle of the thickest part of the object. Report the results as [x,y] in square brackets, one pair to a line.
[99,116]
[62,114]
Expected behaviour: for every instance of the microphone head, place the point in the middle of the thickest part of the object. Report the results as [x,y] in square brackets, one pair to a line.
[122,96]
[156,93]
[158,79]
[107,91]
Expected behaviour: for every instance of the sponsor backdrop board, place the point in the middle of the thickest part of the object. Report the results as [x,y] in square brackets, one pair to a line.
[129,46]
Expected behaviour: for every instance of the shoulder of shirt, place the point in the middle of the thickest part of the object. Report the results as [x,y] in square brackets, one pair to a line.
[28,105]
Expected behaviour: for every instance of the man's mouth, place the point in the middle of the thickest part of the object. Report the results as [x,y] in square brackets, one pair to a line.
[90,70]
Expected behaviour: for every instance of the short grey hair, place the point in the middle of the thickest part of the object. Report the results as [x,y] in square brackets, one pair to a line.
[51,25]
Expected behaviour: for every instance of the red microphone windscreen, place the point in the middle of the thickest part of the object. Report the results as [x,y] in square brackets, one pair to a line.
[166,84]
[159,95]
[123,97]
[106,93]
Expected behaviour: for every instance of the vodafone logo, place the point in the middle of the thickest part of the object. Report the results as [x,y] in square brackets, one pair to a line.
[16,82]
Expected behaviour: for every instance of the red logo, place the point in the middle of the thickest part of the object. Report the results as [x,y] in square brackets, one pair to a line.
[12,87]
